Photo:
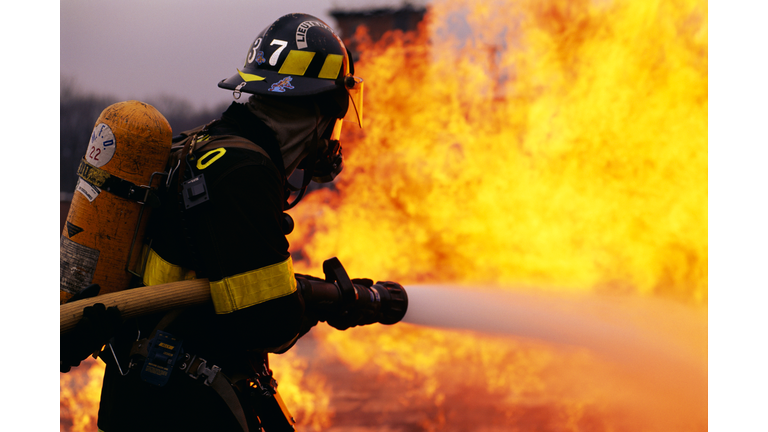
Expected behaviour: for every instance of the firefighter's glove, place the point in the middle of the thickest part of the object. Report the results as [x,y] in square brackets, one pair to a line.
[92,332]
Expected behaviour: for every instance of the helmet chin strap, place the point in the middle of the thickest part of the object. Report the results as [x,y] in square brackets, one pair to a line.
[307,171]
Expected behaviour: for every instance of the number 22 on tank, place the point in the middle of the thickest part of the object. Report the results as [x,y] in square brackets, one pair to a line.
[101,148]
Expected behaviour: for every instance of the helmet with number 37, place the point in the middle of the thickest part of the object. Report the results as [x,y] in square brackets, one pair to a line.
[299,55]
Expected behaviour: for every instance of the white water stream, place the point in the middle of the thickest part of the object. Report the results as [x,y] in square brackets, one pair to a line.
[657,347]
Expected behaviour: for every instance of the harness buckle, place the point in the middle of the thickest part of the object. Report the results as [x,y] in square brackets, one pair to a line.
[202,369]
[209,374]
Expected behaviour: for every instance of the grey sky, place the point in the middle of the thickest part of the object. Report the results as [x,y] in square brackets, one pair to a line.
[144,48]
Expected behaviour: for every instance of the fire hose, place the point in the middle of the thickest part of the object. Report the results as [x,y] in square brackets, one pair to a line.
[140,301]
[336,297]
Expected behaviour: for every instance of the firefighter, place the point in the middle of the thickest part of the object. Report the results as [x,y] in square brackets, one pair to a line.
[222,218]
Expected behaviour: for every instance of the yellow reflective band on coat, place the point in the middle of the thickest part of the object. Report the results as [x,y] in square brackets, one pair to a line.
[256,286]
[296,63]
[159,271]
[331,66]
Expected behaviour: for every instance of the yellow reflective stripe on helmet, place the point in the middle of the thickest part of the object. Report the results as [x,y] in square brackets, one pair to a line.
[159,271]
[250,288]
[249,77]
[219,152]
[331,66]
[296,63]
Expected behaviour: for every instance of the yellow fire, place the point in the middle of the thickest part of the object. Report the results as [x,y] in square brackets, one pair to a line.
[556,143]
[80,391]
[305,393]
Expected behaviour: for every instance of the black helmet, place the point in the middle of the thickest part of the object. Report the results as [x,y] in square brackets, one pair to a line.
[297,55]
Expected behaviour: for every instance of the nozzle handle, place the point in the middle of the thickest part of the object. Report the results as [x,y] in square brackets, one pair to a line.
[334,272]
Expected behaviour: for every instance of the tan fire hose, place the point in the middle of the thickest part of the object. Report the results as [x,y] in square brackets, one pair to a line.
[140,301]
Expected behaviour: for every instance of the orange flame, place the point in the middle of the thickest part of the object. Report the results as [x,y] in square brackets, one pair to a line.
[304,392]
[80,391]
[555,144]
[552,143]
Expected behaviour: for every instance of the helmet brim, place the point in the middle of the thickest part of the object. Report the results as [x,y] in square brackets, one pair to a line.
[267,82]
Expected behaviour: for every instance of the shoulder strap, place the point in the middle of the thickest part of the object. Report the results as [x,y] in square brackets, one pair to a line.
[187,142]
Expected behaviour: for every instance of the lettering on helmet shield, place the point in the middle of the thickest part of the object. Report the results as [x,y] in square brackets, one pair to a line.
[301,32]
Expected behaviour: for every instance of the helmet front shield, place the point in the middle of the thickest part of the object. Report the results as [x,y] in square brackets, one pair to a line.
[354,87]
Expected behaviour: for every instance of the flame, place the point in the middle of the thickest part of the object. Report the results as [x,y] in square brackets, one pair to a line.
[305,393]
[554,144]
[80,391]
[458,379]
[543,143]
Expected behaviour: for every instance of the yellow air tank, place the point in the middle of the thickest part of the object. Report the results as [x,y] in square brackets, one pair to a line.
[130,142]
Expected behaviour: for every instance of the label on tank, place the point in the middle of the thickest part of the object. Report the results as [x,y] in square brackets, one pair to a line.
[78,263]
[101,148]
[88,190]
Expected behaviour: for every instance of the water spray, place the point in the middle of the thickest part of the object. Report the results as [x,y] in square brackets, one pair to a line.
[619,328]
[651,346]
